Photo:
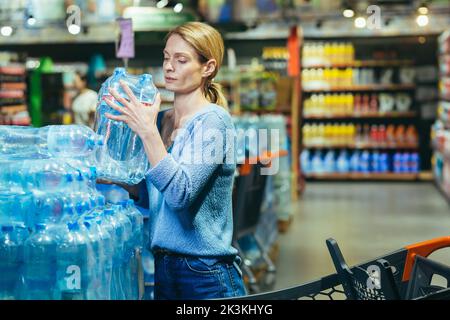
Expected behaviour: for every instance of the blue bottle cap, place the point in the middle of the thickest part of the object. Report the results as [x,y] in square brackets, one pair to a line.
[109,211]
[7,228]
[40,226]
[73,226]
[101,200]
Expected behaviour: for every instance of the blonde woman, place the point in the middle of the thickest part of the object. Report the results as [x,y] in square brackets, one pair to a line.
[190,200]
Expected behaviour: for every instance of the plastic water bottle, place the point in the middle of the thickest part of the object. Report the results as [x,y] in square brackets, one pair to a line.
[405,162]
[384,162]
[375,162]
[95,257]
[122,158]
[138,241]
[317,164]
[414,163]
[73,270]
[342,163]
[116,229]
[40,265]
[107,234]
[397,162]
[10,263]
[364,162]
[56,140]
[329,163]
[137,220]
[305,161]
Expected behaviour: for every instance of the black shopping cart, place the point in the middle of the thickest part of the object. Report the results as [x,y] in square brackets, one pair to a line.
[248,196]
[405,274]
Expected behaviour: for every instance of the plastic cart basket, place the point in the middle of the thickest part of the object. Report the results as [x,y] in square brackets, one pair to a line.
[405,274]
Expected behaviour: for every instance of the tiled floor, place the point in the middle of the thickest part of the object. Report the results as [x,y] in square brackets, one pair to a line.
[367,220]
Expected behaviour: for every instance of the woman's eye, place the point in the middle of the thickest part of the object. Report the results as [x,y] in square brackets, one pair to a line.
[182,61]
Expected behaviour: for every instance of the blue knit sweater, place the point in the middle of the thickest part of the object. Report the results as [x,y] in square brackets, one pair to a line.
[190,202]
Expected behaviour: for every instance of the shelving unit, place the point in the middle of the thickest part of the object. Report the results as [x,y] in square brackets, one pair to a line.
[363,176]
[13,87]
[362,146]
[441,129]
[363,88]
[330,70]
[369,115]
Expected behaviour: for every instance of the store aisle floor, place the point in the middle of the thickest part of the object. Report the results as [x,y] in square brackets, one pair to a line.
[366,219]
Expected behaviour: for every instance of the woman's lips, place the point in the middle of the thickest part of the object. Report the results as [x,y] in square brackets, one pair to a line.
[169,79]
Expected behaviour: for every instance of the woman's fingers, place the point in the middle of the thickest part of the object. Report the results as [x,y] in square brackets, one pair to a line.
[119,98]
[115,106]
[129,93]
[117,118]
[157,103]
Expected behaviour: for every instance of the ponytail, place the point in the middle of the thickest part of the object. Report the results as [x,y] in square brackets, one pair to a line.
[214,94]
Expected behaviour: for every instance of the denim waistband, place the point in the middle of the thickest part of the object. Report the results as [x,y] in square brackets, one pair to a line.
[229,259]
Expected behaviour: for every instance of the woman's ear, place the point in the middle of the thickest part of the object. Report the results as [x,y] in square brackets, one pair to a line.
[209,68]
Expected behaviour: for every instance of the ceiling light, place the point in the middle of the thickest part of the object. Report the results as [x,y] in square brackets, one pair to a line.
[31,21]
[178,7]
[423,9]
[162,3]
[6,31]
[422,20]
[360,22]
[348,13]
[74,29]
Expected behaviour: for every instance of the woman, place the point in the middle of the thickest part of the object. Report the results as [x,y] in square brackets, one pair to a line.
[190,201]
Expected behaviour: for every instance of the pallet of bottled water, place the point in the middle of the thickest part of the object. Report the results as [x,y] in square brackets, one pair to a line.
[59,237]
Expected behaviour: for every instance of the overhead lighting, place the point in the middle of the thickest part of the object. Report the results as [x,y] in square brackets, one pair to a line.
[6,31]
[178,7]
[422,20]
[360,22]
[348,13]
[423,9]
[74,29]
[162,3]
[31,21]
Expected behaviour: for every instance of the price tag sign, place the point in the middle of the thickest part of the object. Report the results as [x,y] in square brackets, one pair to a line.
[125,45]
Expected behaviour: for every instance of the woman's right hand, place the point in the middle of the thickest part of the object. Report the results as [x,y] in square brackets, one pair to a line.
[103,181]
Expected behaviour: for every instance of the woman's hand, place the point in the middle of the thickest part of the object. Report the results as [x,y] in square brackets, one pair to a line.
[133,190]
[140,118]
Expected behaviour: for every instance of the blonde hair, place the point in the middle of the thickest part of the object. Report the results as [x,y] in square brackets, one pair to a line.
[208,44]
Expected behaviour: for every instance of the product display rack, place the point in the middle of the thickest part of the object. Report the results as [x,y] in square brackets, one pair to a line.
[13,88]
[326,73]
[441,131]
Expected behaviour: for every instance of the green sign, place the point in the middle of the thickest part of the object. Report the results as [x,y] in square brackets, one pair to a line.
[154,19]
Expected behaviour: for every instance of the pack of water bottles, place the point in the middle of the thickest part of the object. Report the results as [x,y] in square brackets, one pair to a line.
[122,158]
[59,239]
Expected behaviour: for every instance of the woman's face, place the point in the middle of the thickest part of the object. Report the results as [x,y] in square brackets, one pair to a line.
[182,69]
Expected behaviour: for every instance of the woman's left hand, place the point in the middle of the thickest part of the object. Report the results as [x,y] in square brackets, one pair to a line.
[139,117]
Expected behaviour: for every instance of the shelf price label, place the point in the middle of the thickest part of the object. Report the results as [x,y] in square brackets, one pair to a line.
[125,44]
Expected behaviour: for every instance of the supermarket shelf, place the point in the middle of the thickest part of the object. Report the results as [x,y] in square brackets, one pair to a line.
[13,109]
[366,63]
[361,146]
[381,115]
[444,97]
[363,176]
[260,111]
[374,87]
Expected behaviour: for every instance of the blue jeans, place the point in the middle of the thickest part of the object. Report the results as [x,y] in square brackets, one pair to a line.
[185,278]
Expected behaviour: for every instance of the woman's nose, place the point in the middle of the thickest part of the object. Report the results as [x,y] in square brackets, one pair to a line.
[168,66]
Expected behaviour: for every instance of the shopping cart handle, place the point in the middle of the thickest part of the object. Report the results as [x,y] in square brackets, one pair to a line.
[423,249]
